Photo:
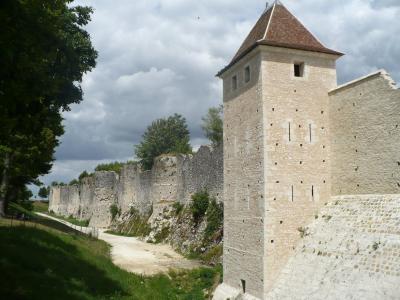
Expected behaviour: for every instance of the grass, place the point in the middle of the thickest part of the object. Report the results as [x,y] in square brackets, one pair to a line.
[45,259]
[41,206]
[70,219]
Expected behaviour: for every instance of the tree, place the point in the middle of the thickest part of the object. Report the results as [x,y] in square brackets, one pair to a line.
[169,135]
[83,175]
[43,192]
[213,125]
[44,52]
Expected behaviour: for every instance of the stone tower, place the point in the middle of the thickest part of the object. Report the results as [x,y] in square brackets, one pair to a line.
[276,148]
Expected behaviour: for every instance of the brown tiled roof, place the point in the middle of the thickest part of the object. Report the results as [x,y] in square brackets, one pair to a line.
[278,27]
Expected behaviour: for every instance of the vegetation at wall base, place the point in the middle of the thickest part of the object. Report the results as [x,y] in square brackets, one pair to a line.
[64,264]
[199,205]
[70,219]
[41,206]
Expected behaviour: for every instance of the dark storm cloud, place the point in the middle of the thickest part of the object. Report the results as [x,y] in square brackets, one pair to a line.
[157,58]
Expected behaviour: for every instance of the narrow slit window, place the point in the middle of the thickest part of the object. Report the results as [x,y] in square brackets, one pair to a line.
[312,193]
[234,82]
[243,285]
[292,193]
[309,127]
[247,74]
[289,133]
[298,69]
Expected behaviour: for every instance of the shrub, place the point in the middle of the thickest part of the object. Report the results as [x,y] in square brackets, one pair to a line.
[114,210]
[215,217]
[199,205]
[178,207]
[84,174]
[114,166]
[73,182]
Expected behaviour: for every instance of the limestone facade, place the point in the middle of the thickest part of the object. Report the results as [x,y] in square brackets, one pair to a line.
[293,140]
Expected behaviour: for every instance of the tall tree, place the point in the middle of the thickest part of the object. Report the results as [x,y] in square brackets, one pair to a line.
[43,192]
[169,135]
[213,125]
[44,52]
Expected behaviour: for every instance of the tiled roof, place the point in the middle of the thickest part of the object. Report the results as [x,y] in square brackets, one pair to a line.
[278,27]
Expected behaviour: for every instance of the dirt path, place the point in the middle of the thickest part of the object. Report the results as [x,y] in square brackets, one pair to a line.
[136,256]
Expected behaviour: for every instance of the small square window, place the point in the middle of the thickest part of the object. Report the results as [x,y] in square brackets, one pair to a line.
[247,74]
[298,69]
[234,82]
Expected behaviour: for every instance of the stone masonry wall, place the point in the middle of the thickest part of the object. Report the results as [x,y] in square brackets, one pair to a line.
[365,134]
[172,178]
[297,160]
[350,251]
[243,179]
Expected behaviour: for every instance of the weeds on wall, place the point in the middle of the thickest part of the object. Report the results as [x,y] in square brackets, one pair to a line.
[199,205]
[114,211]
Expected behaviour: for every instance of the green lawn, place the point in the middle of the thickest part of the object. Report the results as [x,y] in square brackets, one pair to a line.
[47,260]
[70,219]
[40,206]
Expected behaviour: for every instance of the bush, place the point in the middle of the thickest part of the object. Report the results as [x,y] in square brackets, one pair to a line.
[178,207]
[215,217]
[73,182]
[114,210]
[114,166]
[199,205]
[84,174]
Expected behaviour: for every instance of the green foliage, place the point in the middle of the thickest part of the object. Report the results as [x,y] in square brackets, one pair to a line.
[84,174]
[213,125]
[178,207]
[169,135]
[70,219]
[44,52]
[199,205]
[79,267]
[212,256]
[215,218]
[74,182]
[114,210]
[41,206]
[43,192]
[113,166]
[162,235]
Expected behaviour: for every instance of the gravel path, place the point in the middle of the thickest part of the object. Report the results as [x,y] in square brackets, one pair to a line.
[136,256]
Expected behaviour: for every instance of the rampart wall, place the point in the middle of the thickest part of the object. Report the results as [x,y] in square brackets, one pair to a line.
[365,135]
[172,178]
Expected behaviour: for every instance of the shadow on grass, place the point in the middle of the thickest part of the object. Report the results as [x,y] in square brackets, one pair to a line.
[36,264]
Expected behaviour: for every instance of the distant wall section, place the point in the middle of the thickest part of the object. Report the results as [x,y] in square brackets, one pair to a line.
[173,178]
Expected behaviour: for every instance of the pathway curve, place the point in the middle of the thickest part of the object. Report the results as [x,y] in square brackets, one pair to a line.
[136,256]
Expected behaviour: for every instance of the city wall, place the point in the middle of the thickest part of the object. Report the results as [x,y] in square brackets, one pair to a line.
[173,178]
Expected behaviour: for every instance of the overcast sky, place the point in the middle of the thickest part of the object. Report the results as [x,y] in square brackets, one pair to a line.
[160,57]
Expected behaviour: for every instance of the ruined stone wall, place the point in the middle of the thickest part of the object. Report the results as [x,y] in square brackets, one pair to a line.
[350,251]
[297,161]
[365,126]
[172,178]
[243,179]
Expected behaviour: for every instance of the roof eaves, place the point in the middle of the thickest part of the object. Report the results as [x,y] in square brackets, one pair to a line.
[275,44]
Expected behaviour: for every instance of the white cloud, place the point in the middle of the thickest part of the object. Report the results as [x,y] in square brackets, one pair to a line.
[160,57]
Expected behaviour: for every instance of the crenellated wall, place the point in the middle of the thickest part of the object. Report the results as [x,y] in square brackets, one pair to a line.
[173,178]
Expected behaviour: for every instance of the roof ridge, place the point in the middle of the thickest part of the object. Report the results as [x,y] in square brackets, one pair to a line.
[269,21]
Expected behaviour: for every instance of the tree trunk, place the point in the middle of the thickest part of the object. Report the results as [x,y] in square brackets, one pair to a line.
[3,185]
